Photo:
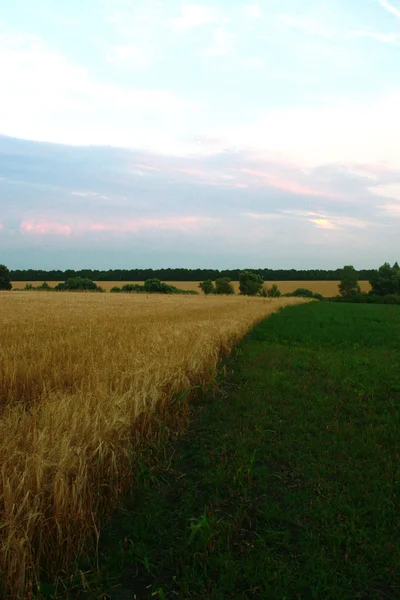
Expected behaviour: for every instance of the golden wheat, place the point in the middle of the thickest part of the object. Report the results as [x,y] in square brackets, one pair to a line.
[77,373]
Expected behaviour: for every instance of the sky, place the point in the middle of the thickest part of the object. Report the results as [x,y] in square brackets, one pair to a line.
[222,134]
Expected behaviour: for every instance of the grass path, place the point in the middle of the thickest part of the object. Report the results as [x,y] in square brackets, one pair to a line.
[286,486]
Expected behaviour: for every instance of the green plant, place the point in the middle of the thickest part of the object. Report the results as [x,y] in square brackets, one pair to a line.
[207,286]
[348,285]
[304,293]
[5,281]
[386,280]
[273,292]
[224,286]
[250,284]
[78,284]
[131,287]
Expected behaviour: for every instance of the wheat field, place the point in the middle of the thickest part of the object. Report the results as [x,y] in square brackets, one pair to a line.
[81,375]
[326,288]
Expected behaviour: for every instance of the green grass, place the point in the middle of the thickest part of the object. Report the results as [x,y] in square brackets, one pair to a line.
[286,485]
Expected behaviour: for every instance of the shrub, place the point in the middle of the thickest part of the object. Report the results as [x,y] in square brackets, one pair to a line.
[78,284]
[224,286]
[5,280]
[207,286]
[386,280]
[349,282]
[250,284]
[369,298]
[131,287]
[304,293]
[273,292]
[155,286]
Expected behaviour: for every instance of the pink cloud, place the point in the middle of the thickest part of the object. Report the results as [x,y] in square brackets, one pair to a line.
[289,186]
[44,227]
[191,171]
[148,168]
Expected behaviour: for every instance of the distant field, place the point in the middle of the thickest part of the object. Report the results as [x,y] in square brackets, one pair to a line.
[326,288]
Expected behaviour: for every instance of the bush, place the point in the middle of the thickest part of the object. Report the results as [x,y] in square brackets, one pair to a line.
[386,281]
[369,298]
[207,286]
[224,286]
[43,287]
[131,287]
[5,279]
[273,292]
[348,285]
[152,286]
[250,284]
[78,284]
[304,293]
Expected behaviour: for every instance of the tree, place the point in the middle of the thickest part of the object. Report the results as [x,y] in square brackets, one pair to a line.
[250,283]
[348,285]
[78,284]
[386,280]
[207,286]
[223,286]
[5,280]
[155,286]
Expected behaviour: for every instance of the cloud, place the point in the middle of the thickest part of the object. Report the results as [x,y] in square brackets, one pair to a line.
[323,223]
[337,130]
[390,8]
[252,11]
[388,190]
[104,216]
[195,15]
[49,98]
[44,227]
[79,226]
[386,38]
[308,25]
[222,43]
[251,63]
[128,56]
[391,208]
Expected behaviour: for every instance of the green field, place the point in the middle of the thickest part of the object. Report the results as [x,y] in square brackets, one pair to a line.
[286,484]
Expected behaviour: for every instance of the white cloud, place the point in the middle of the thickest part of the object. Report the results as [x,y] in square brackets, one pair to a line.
[46,97]
[251,63]
[390,8]
[360,133]
[194,15]
[386,38]
[307,25]
[126,55]
[221,43]
[390,190]
[252,11]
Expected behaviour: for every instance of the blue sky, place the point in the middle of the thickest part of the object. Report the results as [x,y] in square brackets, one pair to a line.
[262,133]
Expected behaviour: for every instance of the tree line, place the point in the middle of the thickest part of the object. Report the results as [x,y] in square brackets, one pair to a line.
[133,275]
[385,285]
